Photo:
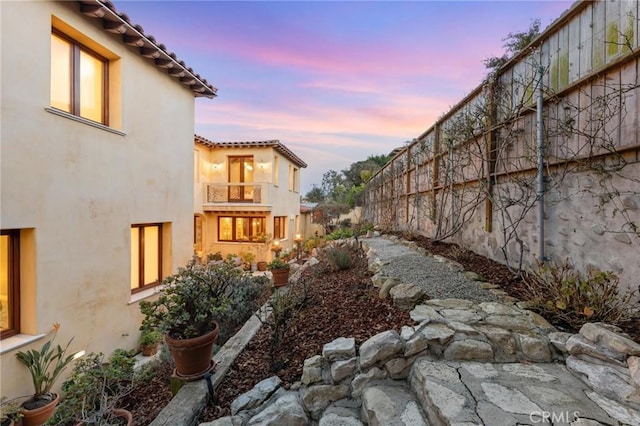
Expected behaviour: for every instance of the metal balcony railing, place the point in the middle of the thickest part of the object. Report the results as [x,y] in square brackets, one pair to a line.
[235,192]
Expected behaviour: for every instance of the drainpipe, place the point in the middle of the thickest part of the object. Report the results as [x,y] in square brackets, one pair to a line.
[540,178]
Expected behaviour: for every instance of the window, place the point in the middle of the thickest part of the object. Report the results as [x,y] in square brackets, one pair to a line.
[296,183]
[279,227]
[78,79]
[146,256]
[9,283]
[197,233]
[241,171]
[293,178]
[241,229]
[275,171]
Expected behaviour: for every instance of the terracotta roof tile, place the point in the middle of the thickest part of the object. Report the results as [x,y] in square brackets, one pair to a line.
[119,23]
[274,143]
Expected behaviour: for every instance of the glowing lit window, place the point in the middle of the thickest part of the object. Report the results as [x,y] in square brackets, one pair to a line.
[241,229]
[241,171]
[9,283]
[78,79]
[146,256]
[279,230]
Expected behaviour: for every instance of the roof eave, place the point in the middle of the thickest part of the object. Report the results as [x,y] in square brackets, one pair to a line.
[133,35]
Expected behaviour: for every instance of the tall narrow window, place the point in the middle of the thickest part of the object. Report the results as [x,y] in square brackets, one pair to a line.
[146,256]
[290,177]
[197,233]
[9,283]
[275,170]
[296,183]
[279,230]
[78,79]
[241,172]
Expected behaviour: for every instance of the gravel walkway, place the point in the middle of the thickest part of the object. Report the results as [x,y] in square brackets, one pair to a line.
[435,278]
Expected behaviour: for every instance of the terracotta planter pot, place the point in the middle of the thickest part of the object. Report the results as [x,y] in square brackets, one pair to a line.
[262,266]
[118,412]
[149,350]
[280,277]
[192,356]
[38,416]
[125,414]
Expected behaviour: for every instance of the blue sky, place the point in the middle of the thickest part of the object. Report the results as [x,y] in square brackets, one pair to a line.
[334,81]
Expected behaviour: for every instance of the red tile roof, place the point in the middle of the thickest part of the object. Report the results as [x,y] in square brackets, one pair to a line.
[118,23]
[275,144]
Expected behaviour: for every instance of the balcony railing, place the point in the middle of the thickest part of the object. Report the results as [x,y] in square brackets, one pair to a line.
[236,192]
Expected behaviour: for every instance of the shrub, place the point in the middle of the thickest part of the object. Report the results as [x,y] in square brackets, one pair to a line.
[338,258]
[10,410]
[192,299]
[283,305]
[340,234]
[563,294]
[94,388]
[278,263]
[244,300]
[311,243]
[217,256]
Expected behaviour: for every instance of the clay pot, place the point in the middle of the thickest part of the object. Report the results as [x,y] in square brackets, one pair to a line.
[39,415]
[280,277]
[125,414]
[118,412]
[262,266]
[192,357]
[149,350]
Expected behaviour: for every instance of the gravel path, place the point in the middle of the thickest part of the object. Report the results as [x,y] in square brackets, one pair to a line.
[435,278]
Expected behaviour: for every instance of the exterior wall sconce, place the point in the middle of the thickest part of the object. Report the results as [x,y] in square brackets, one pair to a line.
[276,248]
[298,241]
[217,167]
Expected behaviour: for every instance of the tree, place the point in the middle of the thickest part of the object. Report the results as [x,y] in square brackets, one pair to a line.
[316,195]
[514,44]
[326,214]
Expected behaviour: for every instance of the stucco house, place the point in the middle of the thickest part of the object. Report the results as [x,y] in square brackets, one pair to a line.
[246,197]
[96,155]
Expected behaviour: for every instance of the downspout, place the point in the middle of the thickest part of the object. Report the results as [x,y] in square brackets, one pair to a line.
[540,178]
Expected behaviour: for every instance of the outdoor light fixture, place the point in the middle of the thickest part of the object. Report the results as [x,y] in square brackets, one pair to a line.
[298,241]
[276,248]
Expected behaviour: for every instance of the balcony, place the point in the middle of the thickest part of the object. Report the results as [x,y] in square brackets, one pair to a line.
[236,196]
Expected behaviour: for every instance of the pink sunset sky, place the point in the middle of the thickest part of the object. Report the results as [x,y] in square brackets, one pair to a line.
[334,81]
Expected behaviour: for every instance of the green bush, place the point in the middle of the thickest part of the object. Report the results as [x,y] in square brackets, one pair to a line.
[340,234]
[338,258]
[193,298]
[244,300]
[278,263]
[565,295]
[94,388]
[313,242]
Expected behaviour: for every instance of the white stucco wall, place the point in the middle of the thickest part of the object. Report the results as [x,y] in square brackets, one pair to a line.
[79,188]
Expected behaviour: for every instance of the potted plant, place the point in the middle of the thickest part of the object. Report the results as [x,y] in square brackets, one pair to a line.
[264,242]
[45,366]
[10,412]
[186,311]
[95,390]
[149,341]
[248,258]
[280,271]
